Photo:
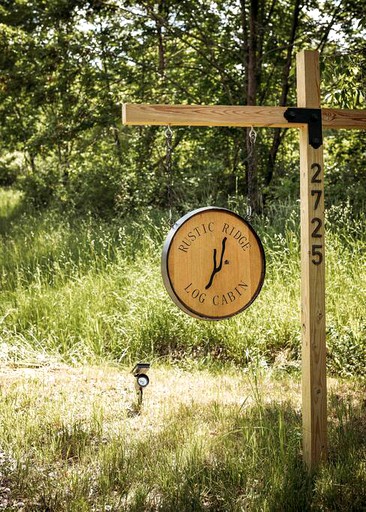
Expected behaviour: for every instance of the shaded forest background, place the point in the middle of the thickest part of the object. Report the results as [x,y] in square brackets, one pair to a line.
[66,66]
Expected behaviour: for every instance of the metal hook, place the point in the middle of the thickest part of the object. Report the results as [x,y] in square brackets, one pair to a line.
[169,132]
[252,135]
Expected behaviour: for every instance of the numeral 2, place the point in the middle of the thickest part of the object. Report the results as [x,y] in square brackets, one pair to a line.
[315,178]
[315,233]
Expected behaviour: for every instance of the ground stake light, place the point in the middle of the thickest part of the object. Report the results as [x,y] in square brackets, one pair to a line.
[141,380]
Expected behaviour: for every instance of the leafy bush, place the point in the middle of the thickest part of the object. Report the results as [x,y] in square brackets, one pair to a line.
[41,188]
[9,170]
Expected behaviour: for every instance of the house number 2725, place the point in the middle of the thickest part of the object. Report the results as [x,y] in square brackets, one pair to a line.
[316,234]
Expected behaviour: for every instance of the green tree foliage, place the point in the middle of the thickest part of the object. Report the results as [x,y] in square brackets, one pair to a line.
[67,65]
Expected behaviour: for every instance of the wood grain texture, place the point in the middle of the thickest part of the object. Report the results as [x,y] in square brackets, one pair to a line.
[225,115]
[343,119]
[213,264]
[314,393]
[203,115]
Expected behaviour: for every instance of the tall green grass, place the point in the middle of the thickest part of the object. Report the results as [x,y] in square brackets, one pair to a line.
[91,290]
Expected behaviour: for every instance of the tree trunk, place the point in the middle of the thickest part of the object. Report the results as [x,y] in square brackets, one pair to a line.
[159,28]
[278,133]
[32,161]
[252,88]
[115,131]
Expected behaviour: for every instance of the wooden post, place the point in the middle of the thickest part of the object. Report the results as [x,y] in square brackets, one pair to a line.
[314,394]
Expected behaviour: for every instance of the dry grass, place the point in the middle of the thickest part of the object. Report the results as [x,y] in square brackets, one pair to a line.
[75,393]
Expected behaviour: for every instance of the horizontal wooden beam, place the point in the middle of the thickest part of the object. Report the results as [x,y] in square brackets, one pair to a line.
[340,118]
[203,115]
[222,115]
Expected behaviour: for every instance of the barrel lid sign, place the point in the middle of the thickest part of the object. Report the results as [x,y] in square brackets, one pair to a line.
[213,263]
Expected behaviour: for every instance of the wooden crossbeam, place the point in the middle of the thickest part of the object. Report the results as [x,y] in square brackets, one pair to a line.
[225,115]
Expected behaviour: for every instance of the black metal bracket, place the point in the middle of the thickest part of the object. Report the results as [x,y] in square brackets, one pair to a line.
[313,118]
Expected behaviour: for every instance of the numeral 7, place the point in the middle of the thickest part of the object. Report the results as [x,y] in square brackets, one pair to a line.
[318,194]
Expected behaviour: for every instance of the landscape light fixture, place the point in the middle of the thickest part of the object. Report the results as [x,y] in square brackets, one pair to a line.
[142,380]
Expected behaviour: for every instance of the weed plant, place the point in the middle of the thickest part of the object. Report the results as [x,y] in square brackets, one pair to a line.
[90,290]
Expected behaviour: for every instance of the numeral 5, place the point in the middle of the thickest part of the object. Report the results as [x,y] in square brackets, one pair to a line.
[316,251]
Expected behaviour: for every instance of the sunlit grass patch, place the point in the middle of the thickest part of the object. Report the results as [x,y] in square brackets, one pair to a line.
[10,200]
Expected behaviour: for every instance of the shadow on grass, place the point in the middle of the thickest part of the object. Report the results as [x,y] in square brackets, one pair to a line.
[202,458]
[341,484]
[219,459]
[250,461]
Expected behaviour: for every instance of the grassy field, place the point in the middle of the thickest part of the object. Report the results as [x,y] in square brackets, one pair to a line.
[225,441]
[220,428]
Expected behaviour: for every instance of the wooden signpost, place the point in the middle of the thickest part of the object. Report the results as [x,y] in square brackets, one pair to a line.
[309,118]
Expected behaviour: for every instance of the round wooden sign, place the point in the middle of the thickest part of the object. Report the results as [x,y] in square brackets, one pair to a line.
[213,263]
